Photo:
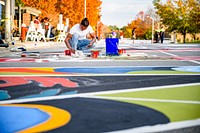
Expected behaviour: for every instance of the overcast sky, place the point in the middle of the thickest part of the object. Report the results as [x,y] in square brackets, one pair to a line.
[122,12]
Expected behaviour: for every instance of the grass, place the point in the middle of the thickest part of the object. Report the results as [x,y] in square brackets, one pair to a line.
[174,111]
[194,42]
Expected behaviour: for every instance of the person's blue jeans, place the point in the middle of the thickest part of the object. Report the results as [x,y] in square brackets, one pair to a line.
[78,44]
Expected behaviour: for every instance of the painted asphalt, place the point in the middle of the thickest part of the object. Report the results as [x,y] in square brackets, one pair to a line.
[40,86]
[94,115]
[32,82]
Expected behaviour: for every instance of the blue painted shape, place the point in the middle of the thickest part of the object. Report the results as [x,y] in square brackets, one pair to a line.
[188,68]
[100,70]
[14,119]
[45,93]
[4,95]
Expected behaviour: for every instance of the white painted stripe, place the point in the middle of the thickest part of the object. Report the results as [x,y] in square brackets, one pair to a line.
[94,93]
[91,74]
[161,127]
[142,89]
[145,99]
[193,61]
[169,54]
[100,66]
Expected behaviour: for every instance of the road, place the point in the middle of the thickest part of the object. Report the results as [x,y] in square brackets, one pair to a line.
[47,80]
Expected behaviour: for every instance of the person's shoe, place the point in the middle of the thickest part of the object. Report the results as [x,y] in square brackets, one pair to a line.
[76,55]
[80,53]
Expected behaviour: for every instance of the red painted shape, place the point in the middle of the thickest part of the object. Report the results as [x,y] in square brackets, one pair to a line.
[19,60]
[51,81]
[43,81]
[12,81]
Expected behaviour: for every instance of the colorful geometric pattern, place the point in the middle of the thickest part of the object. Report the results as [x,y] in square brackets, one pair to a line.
[101,70]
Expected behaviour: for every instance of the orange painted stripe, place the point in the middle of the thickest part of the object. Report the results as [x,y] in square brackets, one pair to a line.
[29,70]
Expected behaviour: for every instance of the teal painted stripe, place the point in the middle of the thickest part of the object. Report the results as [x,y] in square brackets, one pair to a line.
[4,95]
[68,93]
[50,92]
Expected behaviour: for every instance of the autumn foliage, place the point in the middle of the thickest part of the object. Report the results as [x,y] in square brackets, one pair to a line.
[72,9]
[142,24]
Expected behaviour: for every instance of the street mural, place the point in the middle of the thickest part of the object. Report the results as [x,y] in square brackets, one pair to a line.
[30,87]
[40,82]
[79,114]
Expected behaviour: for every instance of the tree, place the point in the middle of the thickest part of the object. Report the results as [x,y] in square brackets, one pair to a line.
[74,10]
[142,25]
[46,7]
[181,16]
[19,2]
[194,19]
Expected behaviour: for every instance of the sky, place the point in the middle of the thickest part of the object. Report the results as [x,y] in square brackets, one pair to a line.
[122,12]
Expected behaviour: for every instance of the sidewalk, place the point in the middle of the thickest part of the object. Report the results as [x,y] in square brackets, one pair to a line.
[27,45]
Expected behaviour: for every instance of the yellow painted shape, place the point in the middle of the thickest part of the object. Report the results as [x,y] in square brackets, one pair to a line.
[58,118]
[43,69]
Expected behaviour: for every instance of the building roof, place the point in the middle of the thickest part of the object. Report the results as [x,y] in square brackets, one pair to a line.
[30,10]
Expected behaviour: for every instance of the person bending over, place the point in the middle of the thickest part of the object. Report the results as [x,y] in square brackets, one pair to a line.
[77,37]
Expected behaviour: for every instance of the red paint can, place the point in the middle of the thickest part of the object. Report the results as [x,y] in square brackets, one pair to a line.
[120,51]
[124,50]
[95,54]
[68,52]
[23,55]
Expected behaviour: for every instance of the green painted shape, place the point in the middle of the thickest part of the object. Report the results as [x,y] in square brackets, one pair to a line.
[175,111]
[162,72]
[174,93]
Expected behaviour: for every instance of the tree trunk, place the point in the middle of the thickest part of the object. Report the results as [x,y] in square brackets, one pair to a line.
[194,37]
[184,35]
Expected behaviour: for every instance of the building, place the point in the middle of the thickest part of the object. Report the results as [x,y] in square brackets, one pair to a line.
[28,14]
[22,15]
[188,37]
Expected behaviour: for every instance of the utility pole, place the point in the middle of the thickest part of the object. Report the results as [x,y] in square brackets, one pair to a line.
[7,21]
[0,19]
[12,14]
[20,19]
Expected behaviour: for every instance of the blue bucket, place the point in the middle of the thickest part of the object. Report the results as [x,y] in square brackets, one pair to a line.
[112,46]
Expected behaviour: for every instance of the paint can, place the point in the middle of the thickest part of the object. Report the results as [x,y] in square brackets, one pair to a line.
[23,55]
[95,54]
[112,46]
[68,52]
[120,51]
[124,50]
